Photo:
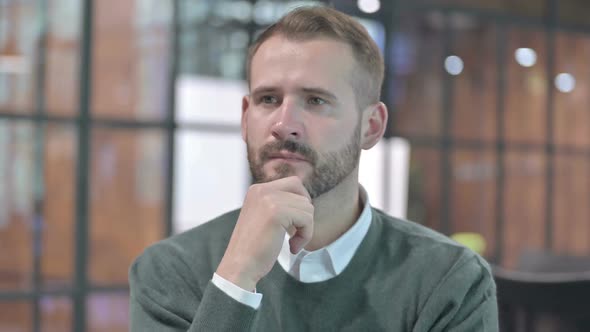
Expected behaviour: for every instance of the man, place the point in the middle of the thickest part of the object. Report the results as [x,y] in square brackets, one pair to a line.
[306,252]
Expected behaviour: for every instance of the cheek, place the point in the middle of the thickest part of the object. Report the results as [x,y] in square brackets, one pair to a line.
[257,125]
[333,138]
[251,131]
[254,140]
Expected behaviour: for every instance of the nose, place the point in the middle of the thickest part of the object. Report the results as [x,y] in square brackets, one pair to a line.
[288,125]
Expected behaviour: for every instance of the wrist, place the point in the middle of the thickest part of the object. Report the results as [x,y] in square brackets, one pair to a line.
[236,277]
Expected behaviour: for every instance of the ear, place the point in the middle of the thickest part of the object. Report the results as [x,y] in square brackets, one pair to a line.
[244,123]
[374,122]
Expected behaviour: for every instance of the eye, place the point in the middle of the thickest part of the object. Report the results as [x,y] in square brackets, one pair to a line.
[268,100]
[316,101]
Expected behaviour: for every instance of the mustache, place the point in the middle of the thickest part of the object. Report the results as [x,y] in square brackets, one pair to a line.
[291,146]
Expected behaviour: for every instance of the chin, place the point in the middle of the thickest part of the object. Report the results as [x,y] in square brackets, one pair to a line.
[283,171]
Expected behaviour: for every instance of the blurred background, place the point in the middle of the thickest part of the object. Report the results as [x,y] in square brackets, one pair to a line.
[119,126]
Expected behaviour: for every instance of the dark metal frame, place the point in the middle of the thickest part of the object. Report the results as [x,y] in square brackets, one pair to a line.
[84,122]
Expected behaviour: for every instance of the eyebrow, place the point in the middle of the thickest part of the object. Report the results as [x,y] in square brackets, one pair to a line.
[264,89]
[312,90]
[320,91]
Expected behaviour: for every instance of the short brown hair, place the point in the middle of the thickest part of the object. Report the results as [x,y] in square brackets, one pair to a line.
[305,23]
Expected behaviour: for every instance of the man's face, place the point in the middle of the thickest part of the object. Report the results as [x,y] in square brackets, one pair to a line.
[301,116]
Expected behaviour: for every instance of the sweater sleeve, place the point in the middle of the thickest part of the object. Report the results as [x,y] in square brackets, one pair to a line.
[166,296]
[463,301]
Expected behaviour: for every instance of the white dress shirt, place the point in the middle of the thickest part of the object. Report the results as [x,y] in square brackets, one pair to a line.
[310,266]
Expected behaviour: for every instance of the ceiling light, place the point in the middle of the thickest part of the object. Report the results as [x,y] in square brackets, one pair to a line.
[526,57]
[454,65]
[565,82]
[369,6]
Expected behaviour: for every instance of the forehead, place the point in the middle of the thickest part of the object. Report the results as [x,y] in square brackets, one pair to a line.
[319,61]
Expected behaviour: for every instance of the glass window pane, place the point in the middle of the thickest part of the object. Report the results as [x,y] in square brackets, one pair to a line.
[131,58]
[571,209]
[62,57]
[209,100]
[15,316]
[58,243]
[127,197]
[108,313]
[214,36]
[524,204]
[17,167]
[194,12]
[19,33]
[526,88]
[571,116]
[574,12]
[474,92]
[213,50]
[399,171]
[416,81]
[218,11]
[474,194]
[424,187]
[211,176]
[526,8]
[24,186]
[372,171]
[56,314]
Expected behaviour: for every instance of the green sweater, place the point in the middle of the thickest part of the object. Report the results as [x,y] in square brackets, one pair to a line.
[403,277]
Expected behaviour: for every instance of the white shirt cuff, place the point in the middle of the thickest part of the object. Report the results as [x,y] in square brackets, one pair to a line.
[237,293]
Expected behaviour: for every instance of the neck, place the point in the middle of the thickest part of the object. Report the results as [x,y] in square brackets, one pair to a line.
[335,212]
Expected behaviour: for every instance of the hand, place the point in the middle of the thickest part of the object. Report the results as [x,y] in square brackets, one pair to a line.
[269,211]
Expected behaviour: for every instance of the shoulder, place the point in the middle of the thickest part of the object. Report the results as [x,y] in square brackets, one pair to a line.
[422,249]
[169,278]
[194,252]
[438,272]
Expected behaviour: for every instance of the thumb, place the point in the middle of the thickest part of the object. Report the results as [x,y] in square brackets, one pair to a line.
[296,243]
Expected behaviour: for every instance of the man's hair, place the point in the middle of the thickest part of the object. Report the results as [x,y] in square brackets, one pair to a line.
[306,23]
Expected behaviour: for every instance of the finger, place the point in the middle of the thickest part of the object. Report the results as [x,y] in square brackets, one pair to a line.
[296,244]
[291,231]
[294,201]
[303,224]
[292,184]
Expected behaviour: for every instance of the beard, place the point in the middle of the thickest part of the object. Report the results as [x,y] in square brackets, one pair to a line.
[328,169]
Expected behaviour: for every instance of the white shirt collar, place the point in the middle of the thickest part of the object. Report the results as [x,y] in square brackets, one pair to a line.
[327,262]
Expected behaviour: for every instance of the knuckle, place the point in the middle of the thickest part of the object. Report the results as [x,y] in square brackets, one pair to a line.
[255,188]
[267,201]
[272,206]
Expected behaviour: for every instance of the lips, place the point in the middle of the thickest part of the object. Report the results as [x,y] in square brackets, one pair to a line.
[287,152]
[287,156]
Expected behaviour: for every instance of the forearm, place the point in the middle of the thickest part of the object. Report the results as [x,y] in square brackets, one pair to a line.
[163,298]
[251,299]
[216,312]
[220,312]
